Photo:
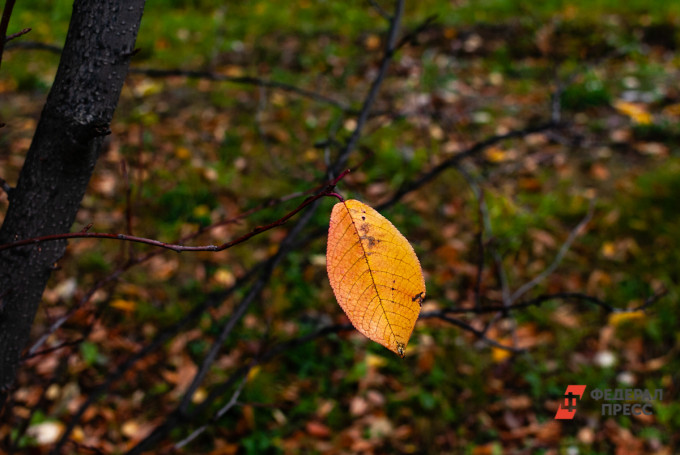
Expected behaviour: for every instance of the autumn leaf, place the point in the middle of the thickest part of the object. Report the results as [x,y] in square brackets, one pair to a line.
[375,274]
[637,112]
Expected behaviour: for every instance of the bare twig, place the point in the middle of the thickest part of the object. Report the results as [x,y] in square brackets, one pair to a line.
[67,344]
[488,228]
[390,48]
[480,250]
[474,150]
[133,261]
[411,37]
[576,297]
[9,38]
[180,248]
[649,301]
[556,98]
[34,45]
[4,23]
[218,415]
[5,187]
[558,258]
[128,197]
[376,6]
[478,333]
[244,80]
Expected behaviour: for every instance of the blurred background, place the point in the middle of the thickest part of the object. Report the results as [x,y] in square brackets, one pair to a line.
[233,112]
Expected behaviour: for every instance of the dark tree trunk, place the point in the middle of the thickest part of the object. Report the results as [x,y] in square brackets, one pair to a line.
[60,161]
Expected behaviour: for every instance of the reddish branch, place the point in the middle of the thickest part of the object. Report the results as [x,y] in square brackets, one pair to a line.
[9,38]
[133,261]
[329,191]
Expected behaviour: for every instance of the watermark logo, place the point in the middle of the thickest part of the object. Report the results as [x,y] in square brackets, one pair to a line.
[635,401]
[572,396]
[628,395]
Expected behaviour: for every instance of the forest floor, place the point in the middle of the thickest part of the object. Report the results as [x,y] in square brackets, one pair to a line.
[194,155]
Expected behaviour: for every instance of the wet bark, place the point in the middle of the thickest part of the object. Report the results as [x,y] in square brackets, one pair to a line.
[60,162]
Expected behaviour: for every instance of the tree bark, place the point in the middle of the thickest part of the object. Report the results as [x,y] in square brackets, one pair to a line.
[60,162]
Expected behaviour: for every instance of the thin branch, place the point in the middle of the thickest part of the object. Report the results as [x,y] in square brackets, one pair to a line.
[576,297]
[390,48]
[478,333]
[244,80]
[35,45]
[410,38]
[235,317]
[535,302]
[556,98]
[172,420]
[480,250]
[4,23]
[66,344]
[128,196]
[454,160]
[558,258]
[139,260]
[180,248]
[5,186]
[649,301]
[376,6]
[218,415]
[135,261]
[9,38]
[488,228]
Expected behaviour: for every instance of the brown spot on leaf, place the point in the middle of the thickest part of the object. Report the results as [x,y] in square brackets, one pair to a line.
[372,241]
[419,298]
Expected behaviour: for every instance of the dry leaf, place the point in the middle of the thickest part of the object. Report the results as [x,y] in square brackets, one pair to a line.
[375,274]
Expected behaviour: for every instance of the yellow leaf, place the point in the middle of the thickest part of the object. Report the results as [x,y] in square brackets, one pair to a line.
[375,361]
[254,371]
[201,210]
[375,274]
[608,250]
[199,395]
[372,42]
[182,153]
[636,112]
[499,354]
[224,277]
[616,319]
[124,305]
[130,428]
[495,154]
